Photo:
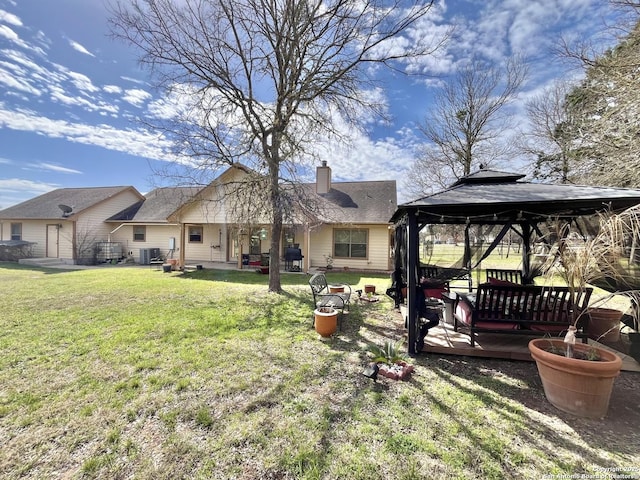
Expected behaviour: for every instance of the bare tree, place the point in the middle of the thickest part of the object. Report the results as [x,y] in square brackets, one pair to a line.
[549,139]
[259,79]
[467,121]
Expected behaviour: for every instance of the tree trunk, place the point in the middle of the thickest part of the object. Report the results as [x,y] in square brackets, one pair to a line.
[276,228]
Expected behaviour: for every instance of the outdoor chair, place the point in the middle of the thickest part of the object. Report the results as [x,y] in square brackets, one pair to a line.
[324,297]
[505,275]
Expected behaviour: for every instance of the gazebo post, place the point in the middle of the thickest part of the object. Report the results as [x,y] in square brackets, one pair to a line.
[412,279]
[526,251]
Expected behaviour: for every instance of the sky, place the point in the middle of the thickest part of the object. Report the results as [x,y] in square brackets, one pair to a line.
[71,96]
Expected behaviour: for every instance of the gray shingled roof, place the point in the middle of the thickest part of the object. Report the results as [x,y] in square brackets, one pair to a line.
[358,202]
[157,206]
[46,206]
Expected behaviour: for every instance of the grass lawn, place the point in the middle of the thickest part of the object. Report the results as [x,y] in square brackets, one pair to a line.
[128,372]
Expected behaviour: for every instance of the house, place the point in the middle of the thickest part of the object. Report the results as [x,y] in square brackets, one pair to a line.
[348,224]
[66,223]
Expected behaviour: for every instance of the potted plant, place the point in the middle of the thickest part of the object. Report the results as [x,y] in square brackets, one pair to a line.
[329,262]
[325,321]
[391,360]
[578,378]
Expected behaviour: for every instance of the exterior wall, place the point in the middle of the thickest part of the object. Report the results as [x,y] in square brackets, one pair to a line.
[156,236]
[36,231]
[213,245]
[321,244]
[92,221]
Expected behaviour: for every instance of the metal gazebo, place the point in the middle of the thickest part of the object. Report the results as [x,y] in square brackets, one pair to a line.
[489,197]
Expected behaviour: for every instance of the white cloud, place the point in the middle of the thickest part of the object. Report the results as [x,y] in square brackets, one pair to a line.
[134,80]
[10,18]
[136,96]
[15,82]
[16,190]
[59,94]
[53,168]
[134,142]
[22,185]
[80,81]
[112,89]
[79,48]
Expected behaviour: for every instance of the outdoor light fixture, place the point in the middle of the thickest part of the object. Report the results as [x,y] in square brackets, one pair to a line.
[263,234]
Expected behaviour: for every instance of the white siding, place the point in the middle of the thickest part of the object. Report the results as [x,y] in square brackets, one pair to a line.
[377,248]
[156,236]
[36,231]
[92,221]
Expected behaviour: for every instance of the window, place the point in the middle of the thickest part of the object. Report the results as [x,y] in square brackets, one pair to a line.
[350,243]
[195,234]
[139,233]
[16,231]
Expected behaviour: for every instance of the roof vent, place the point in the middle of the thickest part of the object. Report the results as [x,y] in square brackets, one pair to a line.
[66,209]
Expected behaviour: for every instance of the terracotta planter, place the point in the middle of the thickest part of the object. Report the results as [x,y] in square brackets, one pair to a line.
[326,321]
[579,387]
[369,289]
[604,324]
[336,288]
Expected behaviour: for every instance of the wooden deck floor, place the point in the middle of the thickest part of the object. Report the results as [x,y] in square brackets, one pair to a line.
[443,340]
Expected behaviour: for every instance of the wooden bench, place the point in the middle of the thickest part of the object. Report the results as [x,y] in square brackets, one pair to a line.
[324,297]
[521,309]
[445,274]
[506,275]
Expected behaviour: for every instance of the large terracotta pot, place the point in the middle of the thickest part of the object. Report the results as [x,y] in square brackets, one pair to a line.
[336,288]
[579,387]
[326,321]
[604,324]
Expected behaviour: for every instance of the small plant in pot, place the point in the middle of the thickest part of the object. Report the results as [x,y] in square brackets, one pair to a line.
[391,360]
[329,262]
[578,378]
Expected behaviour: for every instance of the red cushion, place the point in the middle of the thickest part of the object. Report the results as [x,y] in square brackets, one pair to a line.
[434,292]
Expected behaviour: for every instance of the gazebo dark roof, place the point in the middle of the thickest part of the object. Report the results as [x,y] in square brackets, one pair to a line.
[496,197]
[492,197]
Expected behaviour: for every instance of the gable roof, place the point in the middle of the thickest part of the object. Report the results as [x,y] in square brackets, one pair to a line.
[49,206]
[357,202]
[157,205]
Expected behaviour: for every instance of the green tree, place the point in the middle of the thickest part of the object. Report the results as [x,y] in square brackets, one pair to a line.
[603,112]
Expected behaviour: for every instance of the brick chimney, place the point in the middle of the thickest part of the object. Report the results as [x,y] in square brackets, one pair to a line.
[323,178]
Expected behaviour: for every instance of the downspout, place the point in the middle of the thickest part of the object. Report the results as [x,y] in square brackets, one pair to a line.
[74,243]
[181,259]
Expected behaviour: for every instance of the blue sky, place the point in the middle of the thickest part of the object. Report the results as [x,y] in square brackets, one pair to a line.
[70,95]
